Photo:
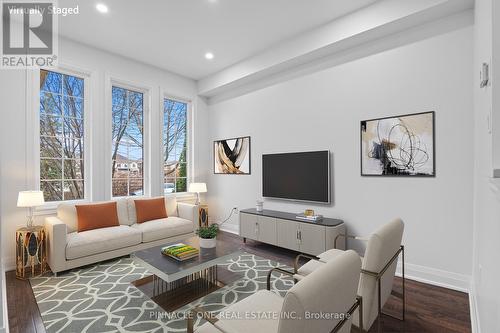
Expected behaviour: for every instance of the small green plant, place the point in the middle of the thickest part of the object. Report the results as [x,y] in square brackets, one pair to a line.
[208,232]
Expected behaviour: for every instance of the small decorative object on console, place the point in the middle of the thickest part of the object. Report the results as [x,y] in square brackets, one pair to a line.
[180,251]
[312,218]
[259,206]
[309,212]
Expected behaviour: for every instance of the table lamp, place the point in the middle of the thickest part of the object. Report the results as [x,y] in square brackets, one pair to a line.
[197,188]
[30,200]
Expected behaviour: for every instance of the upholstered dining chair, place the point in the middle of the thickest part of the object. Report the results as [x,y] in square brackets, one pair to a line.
[379,263]
[330,290]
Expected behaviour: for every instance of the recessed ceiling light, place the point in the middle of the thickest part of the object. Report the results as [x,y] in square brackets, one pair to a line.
[209,55]
[101,8]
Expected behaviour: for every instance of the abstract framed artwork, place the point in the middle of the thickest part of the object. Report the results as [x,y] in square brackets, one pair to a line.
[399,146]
[232,156]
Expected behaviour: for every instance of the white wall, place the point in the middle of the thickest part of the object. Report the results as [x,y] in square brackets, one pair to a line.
[323,111]
[486,270]
[17,171]
[4,326]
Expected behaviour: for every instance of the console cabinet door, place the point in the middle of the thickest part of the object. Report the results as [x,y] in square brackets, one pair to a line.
[248,226]
[287,234]
[267,230]
[312,238]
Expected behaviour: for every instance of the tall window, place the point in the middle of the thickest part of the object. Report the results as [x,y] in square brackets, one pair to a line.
[127,144]
[174,146]
[61,136]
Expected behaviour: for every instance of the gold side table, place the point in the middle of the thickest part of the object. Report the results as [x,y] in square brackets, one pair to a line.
[31,252]
[202,215]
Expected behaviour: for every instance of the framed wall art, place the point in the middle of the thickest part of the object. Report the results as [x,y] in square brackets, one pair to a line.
[232,156]
[399,146]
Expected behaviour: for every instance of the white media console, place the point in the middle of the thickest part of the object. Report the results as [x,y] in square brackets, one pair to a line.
[285,230]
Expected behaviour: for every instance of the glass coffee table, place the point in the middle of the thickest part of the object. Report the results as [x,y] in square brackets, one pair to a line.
[177,283]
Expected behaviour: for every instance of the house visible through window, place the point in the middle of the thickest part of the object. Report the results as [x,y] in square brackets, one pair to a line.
[127,144]
[61,136]
[174,146]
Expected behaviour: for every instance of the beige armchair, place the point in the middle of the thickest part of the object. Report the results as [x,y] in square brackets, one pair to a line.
[323,302]
[383,248]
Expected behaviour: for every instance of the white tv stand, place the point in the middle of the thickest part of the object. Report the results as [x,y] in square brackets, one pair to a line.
[285,230]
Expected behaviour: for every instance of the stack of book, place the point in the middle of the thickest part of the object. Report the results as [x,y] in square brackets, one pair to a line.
[312,218]
[180,251]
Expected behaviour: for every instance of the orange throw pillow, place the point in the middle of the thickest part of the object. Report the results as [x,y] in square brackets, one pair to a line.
[150,209]
[96,216]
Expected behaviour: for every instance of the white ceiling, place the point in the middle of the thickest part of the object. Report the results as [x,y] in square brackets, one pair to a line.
[175,34]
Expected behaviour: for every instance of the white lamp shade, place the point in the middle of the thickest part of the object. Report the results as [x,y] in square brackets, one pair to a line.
[197,187]
[30,199]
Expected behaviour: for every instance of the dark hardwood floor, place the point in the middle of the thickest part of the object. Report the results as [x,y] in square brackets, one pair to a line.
[428,308]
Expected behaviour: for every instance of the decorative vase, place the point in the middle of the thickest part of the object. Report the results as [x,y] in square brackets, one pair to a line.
[259,206]
[208,243]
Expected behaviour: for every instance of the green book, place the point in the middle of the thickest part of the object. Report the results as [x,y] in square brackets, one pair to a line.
[180,251]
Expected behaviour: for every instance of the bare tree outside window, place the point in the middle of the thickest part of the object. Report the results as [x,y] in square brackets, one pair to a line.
[127,172]
[61,136]
[174,145]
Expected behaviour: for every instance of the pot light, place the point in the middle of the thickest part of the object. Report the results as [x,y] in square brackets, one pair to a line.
[209,55]
[101,8]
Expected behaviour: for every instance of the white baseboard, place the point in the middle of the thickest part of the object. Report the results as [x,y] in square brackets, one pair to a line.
[4,326]
[432,276]
[436,277]
[9,264]
[474,314]
[231,228]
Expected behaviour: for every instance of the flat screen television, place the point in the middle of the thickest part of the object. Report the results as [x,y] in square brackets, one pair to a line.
[303,176]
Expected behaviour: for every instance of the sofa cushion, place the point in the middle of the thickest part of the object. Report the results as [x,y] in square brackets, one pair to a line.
[170,205]
[102,215]
[330,255]
[307,269]
[330,289]
[66,212]
[163,228]
[86,243]
[152,209]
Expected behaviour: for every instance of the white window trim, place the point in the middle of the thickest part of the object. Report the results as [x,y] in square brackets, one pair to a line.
[112,80]
[33,130]
[189,128]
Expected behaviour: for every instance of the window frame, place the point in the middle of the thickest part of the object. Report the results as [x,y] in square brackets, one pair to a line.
[113,81]
[189,148]
[33,129]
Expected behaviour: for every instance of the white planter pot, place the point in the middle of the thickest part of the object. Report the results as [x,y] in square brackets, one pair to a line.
[208,243]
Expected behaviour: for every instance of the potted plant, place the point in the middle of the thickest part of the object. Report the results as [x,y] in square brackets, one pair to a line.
[208,235]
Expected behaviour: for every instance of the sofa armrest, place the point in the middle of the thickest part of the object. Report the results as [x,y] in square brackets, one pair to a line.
[56,243]
[188,211]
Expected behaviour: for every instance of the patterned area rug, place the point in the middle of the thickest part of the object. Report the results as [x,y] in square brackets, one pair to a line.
[101,298]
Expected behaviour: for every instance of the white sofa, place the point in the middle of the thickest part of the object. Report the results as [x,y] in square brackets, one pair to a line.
[67,248]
